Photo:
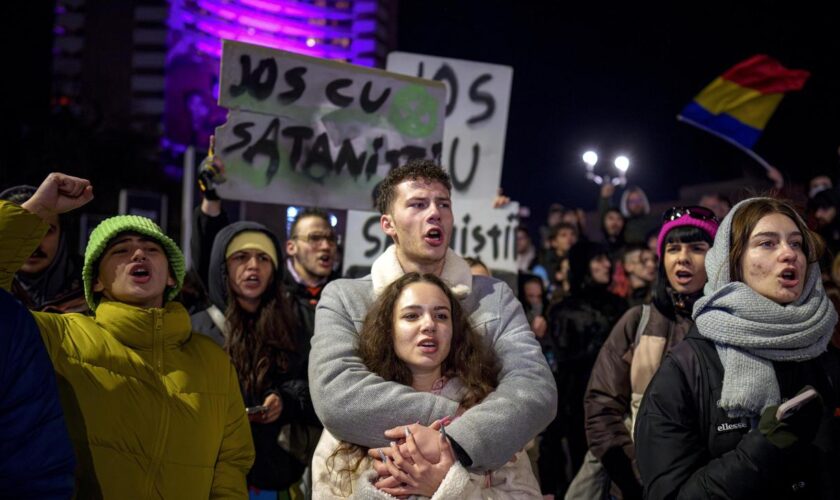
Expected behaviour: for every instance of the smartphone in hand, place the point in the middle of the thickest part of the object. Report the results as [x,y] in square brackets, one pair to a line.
[251,410]
[793,404]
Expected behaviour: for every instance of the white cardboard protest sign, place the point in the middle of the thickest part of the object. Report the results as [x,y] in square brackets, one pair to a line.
[480,230]
[309,131]
[478,96]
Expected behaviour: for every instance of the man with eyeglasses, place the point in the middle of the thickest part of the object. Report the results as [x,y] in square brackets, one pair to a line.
[312,250]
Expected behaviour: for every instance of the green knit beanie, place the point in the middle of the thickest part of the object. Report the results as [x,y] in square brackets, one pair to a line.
[111,227]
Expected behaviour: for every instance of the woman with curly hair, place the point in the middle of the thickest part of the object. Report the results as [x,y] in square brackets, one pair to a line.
[417,334]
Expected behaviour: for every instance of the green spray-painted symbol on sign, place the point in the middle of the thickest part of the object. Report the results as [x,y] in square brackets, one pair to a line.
[414,112]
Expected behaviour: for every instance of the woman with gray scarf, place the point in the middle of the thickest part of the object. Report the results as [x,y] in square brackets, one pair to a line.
[707,427]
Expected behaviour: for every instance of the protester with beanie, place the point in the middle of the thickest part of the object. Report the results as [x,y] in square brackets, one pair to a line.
[637,343]
[251,318]
[708,425]
[153,411]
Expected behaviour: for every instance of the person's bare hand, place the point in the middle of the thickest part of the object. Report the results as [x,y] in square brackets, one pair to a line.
[274,407]
[539,326]
[417,475]
[57,194]
[431,453]
[500,200]
[426,437]
[775,175]
[607,190]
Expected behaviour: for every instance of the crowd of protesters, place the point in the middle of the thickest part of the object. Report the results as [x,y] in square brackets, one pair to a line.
[649,360]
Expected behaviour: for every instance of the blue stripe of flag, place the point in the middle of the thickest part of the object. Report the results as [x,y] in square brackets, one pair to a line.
[722,124]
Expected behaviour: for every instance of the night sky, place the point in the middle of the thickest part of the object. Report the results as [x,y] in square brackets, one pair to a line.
[585,75]
[614,78]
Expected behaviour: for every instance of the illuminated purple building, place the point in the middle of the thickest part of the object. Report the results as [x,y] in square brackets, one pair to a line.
[151,66]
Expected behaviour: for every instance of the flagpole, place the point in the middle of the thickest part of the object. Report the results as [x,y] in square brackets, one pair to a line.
[752,154]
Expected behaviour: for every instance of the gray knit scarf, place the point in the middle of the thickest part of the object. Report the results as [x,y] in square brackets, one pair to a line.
[751,331]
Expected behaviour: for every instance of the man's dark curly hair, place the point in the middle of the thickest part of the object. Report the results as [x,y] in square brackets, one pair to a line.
[426,170]
[309,212]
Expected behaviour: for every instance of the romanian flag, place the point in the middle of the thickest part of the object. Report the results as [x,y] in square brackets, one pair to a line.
[738,104]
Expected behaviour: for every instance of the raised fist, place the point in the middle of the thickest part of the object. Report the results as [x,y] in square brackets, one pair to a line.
[59,193]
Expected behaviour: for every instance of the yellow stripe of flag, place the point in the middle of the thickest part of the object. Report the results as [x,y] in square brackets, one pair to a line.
[748,106]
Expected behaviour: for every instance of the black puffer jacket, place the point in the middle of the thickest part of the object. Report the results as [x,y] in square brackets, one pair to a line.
[686,447]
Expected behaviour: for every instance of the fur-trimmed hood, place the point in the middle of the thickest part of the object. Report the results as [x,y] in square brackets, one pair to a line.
[456,272]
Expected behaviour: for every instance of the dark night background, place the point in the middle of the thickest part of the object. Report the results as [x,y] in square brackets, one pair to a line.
[586,75]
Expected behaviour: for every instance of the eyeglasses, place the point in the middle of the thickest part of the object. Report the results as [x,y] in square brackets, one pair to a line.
[695,212]
[315,238]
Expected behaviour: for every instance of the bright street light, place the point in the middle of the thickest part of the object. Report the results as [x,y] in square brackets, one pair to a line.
[622,163]
[590,158]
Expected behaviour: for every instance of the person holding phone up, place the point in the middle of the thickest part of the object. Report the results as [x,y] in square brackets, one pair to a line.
[709,425]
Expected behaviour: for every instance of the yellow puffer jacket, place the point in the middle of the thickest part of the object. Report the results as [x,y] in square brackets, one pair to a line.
[154,411]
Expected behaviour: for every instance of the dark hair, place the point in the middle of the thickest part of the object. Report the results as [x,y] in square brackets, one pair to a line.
[426,170]
[826,198]
[524,279]
[193,296]
[308,212]
[720,196]
[611,210]
[581,256]
[259,343]
[661,296]
[747,217]
[469,358]
[633,247]
[555,230]
[556,207]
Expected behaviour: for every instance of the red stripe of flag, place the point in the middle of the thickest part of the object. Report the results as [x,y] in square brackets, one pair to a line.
[766,75]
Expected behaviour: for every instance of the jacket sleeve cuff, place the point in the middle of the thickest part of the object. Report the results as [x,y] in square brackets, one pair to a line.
[460,453]
[454,483]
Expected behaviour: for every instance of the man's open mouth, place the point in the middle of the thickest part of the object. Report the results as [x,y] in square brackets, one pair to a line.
[434,235]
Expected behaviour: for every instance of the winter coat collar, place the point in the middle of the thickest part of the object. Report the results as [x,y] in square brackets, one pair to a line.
[456,272]
[139,328]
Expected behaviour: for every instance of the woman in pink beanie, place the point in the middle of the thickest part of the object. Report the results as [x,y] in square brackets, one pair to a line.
[636,346]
